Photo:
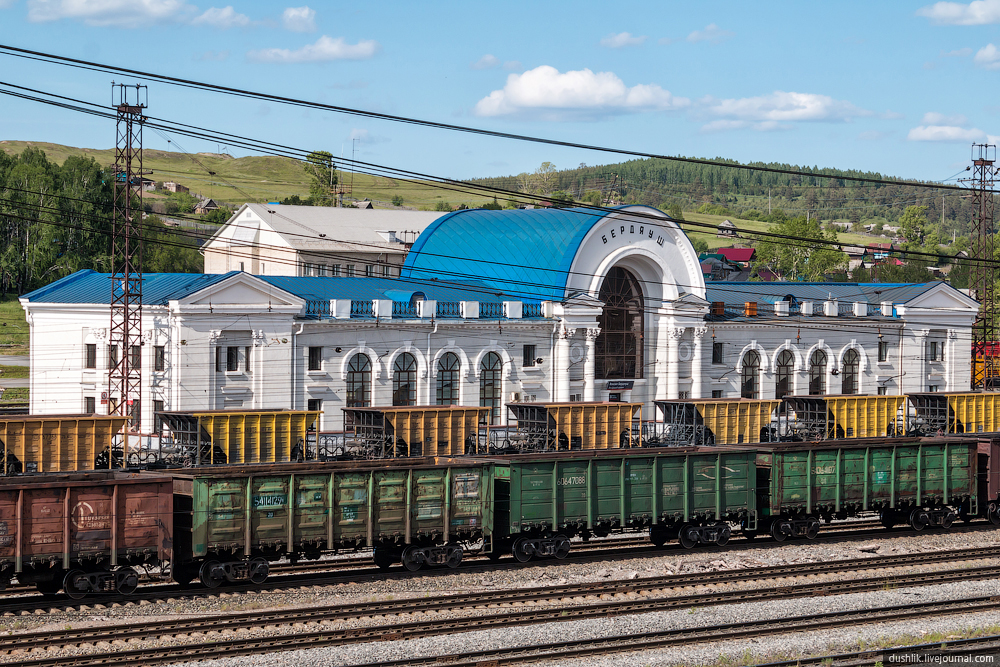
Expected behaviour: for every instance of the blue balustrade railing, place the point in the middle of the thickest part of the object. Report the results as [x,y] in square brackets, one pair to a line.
[531,310]
[362,309]
[448,309]
[403,309]
[491,311]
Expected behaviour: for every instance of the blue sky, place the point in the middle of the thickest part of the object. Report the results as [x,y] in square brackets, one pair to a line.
[902,88]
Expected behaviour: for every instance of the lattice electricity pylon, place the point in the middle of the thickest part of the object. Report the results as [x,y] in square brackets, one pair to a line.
[124,376]
[983,273]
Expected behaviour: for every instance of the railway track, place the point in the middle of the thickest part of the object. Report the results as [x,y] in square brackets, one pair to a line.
[644,587]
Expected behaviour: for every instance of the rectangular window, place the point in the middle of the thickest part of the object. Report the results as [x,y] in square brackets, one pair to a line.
[321,270]
[716,393]
[241,266]
[350,270]
[882,391]
[135,413]
[232,359]
[932,354]
[136,356]
[91,356]
[218,359]
[883,350]
[315,358]
[314,404]
[932,387]
[335,270]
[717,354]
[89,405]
[369,271]
[157,408]
[246,359]
[528,358]
[684,394]
[386,271]
[159,358]
[112,356]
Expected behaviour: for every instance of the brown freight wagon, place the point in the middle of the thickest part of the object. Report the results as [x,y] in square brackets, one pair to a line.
[84,532]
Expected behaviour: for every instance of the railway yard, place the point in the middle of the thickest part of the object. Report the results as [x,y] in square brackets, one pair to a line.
[612,603]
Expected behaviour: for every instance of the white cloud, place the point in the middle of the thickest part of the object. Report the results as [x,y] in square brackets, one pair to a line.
[4,4]
[621,40]
[513,65]
[117,13]
[488,61]
[980,12]
[934,118]
[768,112]
[957,53]
[988,57]
[324,50]
[365,137]
[547,92]
[712,33]
[945,133]
[299,19]
[224,18]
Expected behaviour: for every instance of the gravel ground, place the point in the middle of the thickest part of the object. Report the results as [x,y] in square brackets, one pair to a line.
[547,574]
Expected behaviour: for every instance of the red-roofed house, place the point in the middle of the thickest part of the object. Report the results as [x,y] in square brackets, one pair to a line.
[741,256]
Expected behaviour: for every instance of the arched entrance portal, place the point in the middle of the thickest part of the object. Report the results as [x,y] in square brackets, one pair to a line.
[618,349]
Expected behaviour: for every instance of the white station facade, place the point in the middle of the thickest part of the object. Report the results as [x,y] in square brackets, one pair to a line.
[492,307]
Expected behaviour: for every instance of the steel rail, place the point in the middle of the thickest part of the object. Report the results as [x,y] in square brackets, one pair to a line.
[256,619]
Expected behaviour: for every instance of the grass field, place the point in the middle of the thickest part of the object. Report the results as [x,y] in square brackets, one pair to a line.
[13,372]
[13,327]
[255,179]
[14,395]
[752,226]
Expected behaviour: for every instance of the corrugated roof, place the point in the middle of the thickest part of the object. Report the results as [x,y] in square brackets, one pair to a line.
[159,288]
[738,293]
[521,252]
[91,287]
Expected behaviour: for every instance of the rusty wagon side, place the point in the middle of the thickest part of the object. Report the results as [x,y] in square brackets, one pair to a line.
[84,532]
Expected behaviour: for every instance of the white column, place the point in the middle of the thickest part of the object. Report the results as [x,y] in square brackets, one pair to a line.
[589,388]
[673,361]
[661,359]
[560,368]
[696,365]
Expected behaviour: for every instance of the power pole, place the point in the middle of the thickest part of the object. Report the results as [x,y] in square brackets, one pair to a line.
[983,275]
[124,376]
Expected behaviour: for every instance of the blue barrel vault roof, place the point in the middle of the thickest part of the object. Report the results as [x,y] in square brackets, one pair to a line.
[526,253]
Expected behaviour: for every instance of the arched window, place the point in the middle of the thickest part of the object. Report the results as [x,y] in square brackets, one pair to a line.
[852,369]
[817,373]
[490,385]
[404,380]
[783,381]
[447,379]
[750,385]
[618,349]
[359,382]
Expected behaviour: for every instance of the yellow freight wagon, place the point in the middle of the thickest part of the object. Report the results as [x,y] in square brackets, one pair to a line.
[59,443]
[549,427]
[847,416]
[236,436]
[714,421]
[435,430]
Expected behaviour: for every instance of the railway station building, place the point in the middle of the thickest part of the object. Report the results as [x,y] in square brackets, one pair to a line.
[492,307]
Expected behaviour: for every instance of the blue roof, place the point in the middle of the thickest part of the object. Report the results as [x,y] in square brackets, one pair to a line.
[159,288]
[525,253]
[738,293]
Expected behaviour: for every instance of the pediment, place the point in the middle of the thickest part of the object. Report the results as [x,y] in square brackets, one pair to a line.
[243,290]
[943,297]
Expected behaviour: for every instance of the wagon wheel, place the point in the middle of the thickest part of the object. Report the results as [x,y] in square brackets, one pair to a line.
[658,536]
[917,519]
[812,530]
[71,585]
[182,575]
[777,533]
[947,520]
[562,546]
[522,550]
[126,581]
[993,513]
[412,559]
[454,558]
[259,570]
[887,520]
[724,534]
[688,536]
[207,574]
[383,558]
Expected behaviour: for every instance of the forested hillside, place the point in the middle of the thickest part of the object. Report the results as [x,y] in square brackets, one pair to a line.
[55,220]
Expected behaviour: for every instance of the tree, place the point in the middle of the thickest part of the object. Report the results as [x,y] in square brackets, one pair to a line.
[545,177]
[493,205]
[321,169]
[797,258]
[911,226]
[397,200]
[674,211]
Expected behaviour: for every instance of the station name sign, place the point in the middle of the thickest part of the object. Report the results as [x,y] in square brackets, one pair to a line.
[642,231]
[619,385]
